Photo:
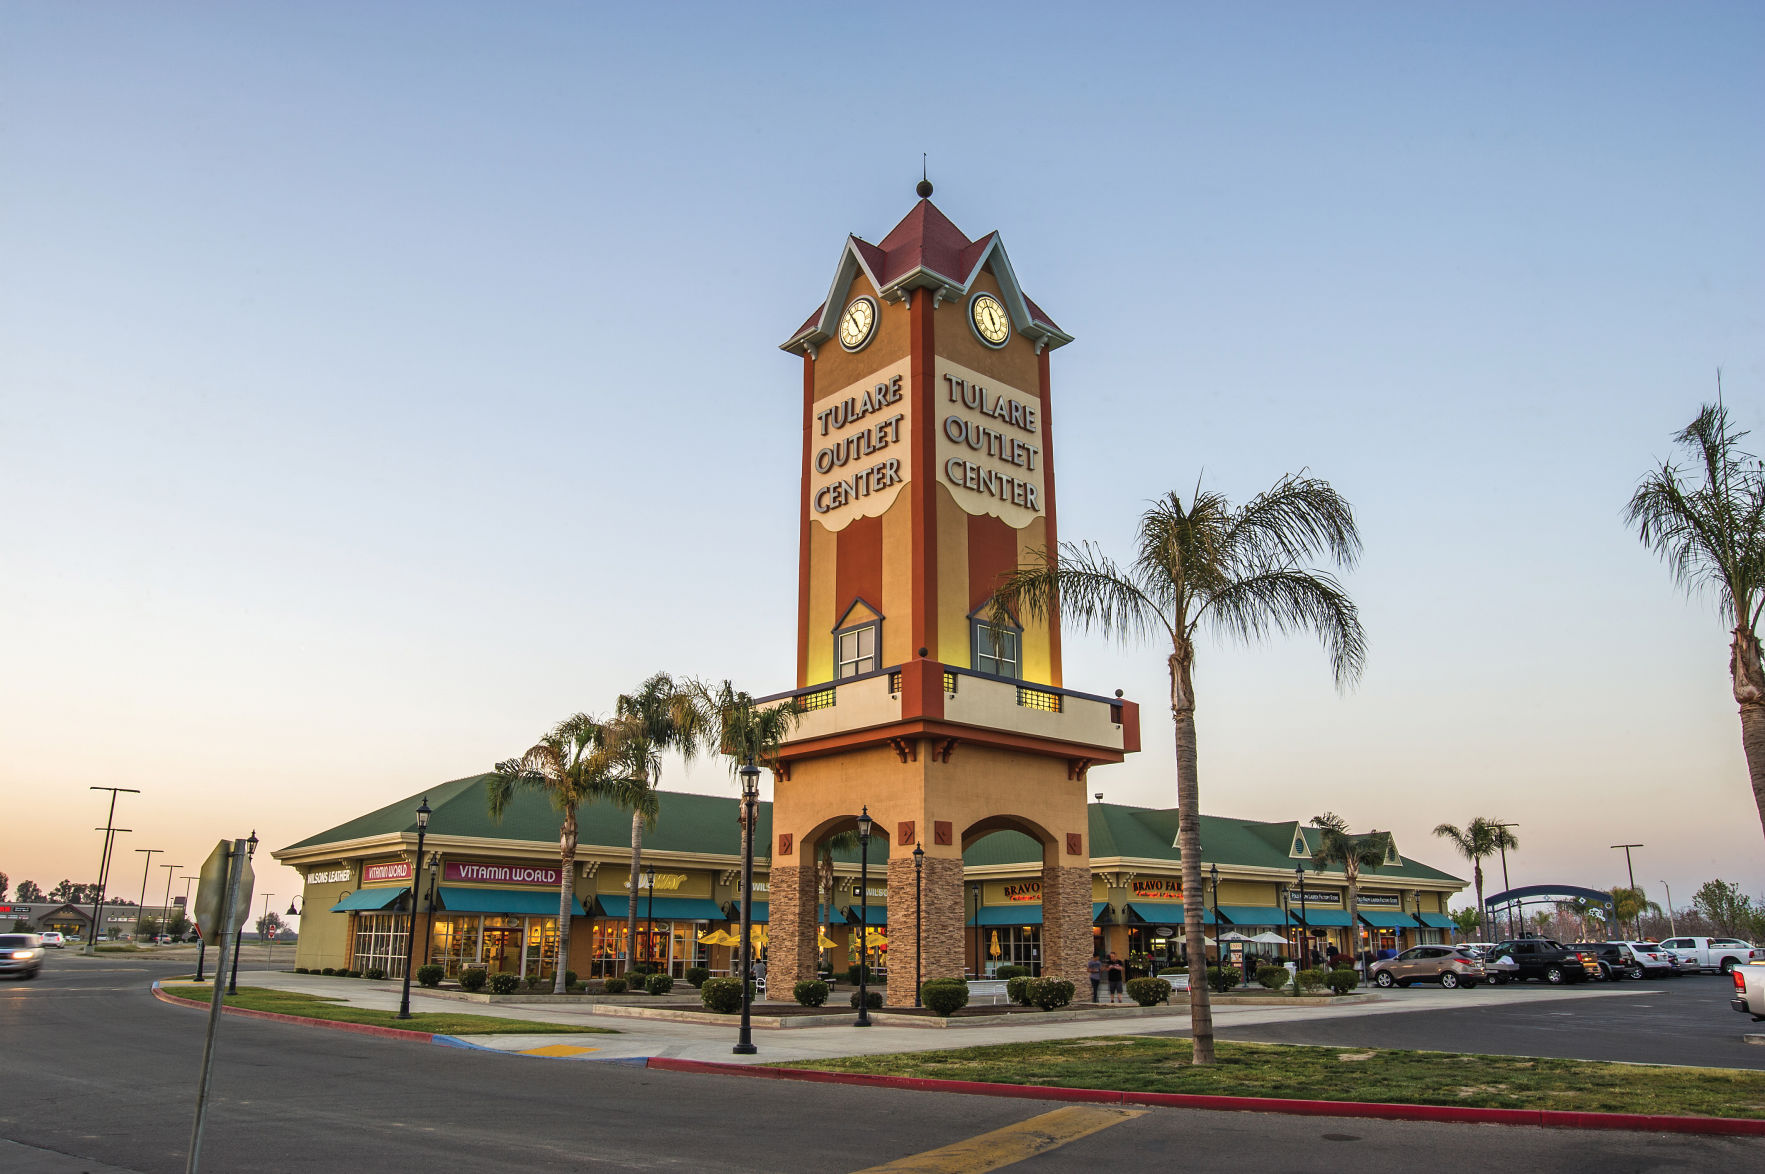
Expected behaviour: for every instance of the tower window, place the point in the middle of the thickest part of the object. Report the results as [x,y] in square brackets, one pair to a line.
[856,651]
[995,650]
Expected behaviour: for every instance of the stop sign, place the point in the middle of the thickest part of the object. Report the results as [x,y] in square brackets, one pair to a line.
[270,933]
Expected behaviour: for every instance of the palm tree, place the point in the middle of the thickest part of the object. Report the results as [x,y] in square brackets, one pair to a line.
[1712,537]
[846,841]
[1237,571]
[1629,905]
[566,766]
[1351,853]
[1477,839]
[659,716]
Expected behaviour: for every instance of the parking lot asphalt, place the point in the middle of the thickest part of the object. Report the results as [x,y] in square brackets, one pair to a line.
[1683,1020]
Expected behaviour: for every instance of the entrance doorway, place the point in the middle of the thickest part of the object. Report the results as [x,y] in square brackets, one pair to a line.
[502,945]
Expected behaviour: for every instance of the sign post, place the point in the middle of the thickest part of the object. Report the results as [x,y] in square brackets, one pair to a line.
[221,901]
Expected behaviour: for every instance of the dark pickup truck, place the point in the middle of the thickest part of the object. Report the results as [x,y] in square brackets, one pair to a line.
[1542,958]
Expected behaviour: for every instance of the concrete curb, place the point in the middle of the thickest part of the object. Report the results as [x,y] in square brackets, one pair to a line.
[304,1021]
[1547,1118]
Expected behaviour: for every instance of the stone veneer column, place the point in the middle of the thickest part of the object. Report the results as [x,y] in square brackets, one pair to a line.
[1066,925]
[790,950]
[940,926]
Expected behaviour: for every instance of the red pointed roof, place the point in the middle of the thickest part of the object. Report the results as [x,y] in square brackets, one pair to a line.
[925,239]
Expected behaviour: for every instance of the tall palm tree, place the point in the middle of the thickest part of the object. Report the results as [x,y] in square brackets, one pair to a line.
[1629,905]
[1477,839]
[1236,571]
[1712,537]
[567,767]
[657,717]
[1351,853]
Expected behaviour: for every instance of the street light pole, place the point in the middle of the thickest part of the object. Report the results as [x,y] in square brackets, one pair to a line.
[410,937]
[169,869]
[863,918]
[918,873]
[201,942]
[141,907]
[110,830]
[649,924]
[1672,926]
[750,773]
[1219,947]
[263,932]
[1502,842]
[239,936]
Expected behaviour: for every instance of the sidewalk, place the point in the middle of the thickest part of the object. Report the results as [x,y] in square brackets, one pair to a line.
[643,1038]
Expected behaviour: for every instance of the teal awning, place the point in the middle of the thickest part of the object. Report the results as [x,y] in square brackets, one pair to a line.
[1098,909]
[997,915]
[1325,918]
[1385,919]
[1167,912]
[521,902]
[665,909]
[369,900]
[873,914]
[1437,921]
[1248,915]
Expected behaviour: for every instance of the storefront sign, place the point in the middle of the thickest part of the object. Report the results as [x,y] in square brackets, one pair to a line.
[478,873]
[331,877]
[1313,897]
[1024,891]
[989,445]
[662,882]
[860,463]
[1379,901]
[392,870]
[1158,886]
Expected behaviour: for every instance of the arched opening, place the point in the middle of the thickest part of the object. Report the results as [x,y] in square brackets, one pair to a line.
[1021,909]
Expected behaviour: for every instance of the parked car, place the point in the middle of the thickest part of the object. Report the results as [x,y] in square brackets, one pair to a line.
[1684,962]
[21,954]
[52,939]
[1540,958]
[1749,990]
[1722,954]
[1615,959]
[1651,960]
[1450,966]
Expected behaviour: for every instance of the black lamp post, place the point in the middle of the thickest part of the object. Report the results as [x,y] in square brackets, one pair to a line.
[863,918]
[1219,947]
[429,906]
[410,937]
[750,795]
[233,975]
[649,921]
[1304,959]
[201,945]
[918,919]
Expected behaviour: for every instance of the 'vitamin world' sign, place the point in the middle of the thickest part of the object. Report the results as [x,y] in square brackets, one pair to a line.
[477,873]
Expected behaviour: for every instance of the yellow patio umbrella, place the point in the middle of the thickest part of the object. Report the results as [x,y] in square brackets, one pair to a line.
[993,950]
[825,942]
[756,934]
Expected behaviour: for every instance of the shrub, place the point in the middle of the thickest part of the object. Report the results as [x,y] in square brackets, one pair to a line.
[1010,972]
[429,975]
[1149,992]
[1018,990]
[570,979]
[531,982]
[872,999]
[473,979]
[376,972]
[329,970]
[1050,994]
[614,986]
[639,970]
[1223,978]
[1344,980]
[852,974]
[1272,977]
[1173,970]
[696,975]
[722,995]
[811,992]
[944,996]
[351,973]
[1313,979]
[659,984]
[504,982]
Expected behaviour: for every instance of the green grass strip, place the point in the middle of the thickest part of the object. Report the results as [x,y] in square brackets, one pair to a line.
[1143,1064]
[255,998]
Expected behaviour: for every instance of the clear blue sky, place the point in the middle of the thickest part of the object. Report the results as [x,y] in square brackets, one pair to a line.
[380,383]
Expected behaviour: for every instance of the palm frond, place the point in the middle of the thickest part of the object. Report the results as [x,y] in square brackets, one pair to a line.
[1082,585]
[1298,519]
[1292,600]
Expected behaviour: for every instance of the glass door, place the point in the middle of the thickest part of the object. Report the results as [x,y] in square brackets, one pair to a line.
[502,944]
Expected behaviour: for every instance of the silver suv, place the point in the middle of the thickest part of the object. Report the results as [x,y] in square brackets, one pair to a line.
[21,954]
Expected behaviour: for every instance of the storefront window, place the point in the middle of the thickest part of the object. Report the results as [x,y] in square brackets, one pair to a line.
[380,942]
[1015,945]
[542,948]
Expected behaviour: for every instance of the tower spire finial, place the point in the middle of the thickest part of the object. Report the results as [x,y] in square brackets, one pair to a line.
[925,184]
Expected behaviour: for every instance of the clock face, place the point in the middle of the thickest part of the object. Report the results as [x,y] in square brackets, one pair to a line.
[858,323]
[990,320]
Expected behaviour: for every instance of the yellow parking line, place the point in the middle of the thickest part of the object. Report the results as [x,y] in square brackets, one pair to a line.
[1012,1144]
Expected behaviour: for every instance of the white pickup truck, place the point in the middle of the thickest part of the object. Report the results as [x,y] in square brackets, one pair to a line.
[1749,990]
[1722,954]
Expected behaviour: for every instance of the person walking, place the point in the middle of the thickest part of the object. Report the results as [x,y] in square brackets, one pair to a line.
[1094,972]
[1117,972]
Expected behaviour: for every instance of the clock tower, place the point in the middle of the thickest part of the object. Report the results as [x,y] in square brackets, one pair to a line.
[928,472]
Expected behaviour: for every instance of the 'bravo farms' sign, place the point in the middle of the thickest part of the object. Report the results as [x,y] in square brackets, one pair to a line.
[477,873]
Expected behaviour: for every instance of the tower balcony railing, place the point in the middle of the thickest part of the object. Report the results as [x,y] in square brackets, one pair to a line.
[970,698]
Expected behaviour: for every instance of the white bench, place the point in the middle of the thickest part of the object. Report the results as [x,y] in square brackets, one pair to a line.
[991,989]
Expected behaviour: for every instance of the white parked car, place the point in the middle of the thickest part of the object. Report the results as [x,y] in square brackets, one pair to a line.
[1652,961]
[1749,990]
[53,939]
[1722,954]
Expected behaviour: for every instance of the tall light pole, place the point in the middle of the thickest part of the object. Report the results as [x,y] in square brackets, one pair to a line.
[110,830]
[918,882]
[201,942]
[744,1045]
[263,932]
[169,869]
[141,906]
[233,975]
[1305,928]
[410,937]
[863,918]
[1219,947]
[1502,842]
[649,921]
[1672,926]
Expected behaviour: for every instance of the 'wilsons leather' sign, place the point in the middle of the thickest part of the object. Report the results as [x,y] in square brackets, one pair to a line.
[476,873]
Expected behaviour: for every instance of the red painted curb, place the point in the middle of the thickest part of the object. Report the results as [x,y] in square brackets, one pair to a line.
[1455,1114]
[358,1028]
